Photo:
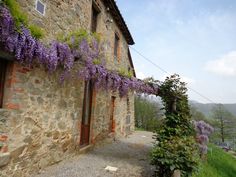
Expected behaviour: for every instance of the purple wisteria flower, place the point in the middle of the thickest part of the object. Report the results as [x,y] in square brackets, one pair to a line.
[203,131]
[28,50]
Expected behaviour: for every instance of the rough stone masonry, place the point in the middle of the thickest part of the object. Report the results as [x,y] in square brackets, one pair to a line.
[40,121]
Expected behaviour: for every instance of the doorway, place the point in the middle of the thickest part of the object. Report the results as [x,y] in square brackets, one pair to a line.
[112,109]
[86,115]
[3,68]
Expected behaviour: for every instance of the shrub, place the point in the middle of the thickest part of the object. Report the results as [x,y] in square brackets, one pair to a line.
[175,147]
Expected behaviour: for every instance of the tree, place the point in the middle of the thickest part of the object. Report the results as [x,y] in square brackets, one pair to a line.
[147,113]
[224,122]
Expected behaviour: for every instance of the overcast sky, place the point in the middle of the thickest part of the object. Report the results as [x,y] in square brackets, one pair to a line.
[194,38]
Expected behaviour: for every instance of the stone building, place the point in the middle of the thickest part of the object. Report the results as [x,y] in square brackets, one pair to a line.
[42,121]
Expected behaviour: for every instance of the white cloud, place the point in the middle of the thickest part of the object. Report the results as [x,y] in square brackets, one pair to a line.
[225,65]
[140,75]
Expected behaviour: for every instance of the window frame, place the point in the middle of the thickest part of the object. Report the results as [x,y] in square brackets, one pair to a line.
[116,47]
[44,4]
[95,11]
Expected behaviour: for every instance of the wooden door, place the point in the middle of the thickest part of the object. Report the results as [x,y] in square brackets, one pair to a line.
[112,109]
[86,116]
[3,67]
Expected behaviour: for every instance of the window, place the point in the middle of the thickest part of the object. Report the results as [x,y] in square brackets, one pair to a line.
[116,47]
[128,104]
[94,20]
[40,7]
[3,68]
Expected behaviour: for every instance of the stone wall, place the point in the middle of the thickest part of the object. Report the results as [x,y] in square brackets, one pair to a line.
[62,17]
[40,120]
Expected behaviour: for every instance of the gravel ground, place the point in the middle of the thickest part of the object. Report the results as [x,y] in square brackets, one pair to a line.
[129,155]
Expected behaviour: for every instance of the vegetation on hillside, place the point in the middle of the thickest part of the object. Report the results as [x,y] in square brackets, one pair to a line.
[218,164]
[223,121]
[147,113]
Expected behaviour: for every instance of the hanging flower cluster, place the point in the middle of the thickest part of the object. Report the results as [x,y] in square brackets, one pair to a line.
[28,50]
[203,131]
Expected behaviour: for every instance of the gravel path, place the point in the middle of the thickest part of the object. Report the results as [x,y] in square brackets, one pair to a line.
[129,155]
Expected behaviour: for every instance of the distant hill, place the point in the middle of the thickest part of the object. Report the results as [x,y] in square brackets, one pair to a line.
[207,108]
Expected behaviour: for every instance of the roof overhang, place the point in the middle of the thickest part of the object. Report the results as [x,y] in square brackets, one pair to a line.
[131,63]
[115,12]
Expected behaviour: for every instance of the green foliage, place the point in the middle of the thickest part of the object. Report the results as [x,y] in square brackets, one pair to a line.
[218,164]
[36,31]
[21,17]
[175,146]
[175,153]
[97,61]
[224,123]
[147,114]
[124,72]
[97,36]
[74,38]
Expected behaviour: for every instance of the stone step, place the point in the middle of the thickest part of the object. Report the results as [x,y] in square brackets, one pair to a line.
[4,159]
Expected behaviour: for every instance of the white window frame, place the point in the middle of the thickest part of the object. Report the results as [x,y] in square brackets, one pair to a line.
[37,9]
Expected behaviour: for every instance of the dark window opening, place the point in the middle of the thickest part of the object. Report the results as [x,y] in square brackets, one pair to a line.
[94,20]
[128,105]
[116,47]
[3,69]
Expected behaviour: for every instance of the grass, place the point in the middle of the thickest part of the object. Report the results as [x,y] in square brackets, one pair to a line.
[219,164]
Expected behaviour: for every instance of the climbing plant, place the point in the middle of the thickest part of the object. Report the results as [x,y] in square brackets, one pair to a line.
[21,18]
[203,130]
[175,147]
[76,46]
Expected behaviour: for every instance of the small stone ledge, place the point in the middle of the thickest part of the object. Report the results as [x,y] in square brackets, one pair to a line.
[4,159]
[85,149]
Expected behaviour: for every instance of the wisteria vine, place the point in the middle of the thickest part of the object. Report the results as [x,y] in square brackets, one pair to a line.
[28,50]
[203,130]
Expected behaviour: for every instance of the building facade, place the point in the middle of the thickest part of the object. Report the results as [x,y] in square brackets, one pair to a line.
[42,121]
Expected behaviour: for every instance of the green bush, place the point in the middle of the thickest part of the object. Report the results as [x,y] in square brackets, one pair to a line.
[36,31]
[175,153]
[175,147]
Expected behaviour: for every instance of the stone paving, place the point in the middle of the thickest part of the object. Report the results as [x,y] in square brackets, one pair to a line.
[130,155]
